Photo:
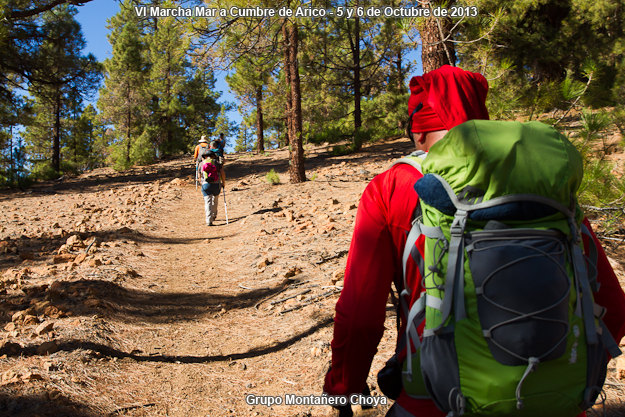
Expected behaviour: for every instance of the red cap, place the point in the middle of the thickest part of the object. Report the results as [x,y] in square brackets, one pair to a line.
[450,96]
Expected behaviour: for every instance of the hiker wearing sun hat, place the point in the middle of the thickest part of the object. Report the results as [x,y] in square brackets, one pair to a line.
[201,146]
[202,143]
[445,99]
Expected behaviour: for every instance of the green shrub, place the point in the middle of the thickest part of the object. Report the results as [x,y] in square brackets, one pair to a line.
[593,127]
[329,135]
[272,177]
[69,167]
[384,115]
[118,156]
[142,151]
[618,118]
[43,171]
[341,150]
[549,96]
[601,91]
[600,187]
[361,136]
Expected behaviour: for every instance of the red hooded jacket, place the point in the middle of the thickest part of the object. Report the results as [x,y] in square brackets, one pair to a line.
[374,262]
[382,224]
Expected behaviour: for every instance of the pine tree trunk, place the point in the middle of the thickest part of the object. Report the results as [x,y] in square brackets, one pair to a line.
[397,73]
[357,83]
[287,75]
[294,117]
[260,138]
[128,143]
[435,53]
[400,72]
[400,85]
[56,139]
[12,164]
[75,142]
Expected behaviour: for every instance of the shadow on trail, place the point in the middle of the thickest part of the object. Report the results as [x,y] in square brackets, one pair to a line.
[383,151]
[268,210]
[377,152]
[42,247]
[138,176]
[222,222]
[88,297]
[108,351]
[139,237]
[18,404]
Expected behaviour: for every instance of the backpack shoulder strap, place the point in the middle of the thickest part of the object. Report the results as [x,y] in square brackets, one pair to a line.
[415,159]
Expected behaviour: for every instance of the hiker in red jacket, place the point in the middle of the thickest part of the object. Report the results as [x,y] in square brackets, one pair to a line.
[212,181]
[439,101]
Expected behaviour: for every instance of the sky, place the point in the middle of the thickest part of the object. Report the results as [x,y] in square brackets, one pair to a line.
[93,16]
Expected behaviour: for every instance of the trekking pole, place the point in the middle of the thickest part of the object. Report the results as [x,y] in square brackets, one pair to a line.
[196,165]
[225,205]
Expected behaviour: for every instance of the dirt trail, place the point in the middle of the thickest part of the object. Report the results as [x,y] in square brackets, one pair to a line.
[213,346]
[117,299]
[222,342]
[151,312]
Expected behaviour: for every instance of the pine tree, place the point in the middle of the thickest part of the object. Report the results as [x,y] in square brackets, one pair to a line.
[37,137]
[290,34]
[357,74]
[13,112]
[123,99]
[274,118]
[60,81]
[24,9]
[201,109]
[223,125]
[437,49]
[536,45]
[19,174]
[168,46]
[244,141]
[251,47]
[248,82]
[87,148]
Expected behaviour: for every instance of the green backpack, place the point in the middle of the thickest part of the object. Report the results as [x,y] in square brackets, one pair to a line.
[511,328]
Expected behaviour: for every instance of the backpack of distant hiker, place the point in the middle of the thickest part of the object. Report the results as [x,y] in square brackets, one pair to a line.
[201,148]
[210,173]
[510,324]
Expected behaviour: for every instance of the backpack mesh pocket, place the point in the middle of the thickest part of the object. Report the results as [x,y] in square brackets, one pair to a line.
[522,289]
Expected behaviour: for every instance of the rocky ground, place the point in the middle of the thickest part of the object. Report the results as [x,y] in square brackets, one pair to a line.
[117,299]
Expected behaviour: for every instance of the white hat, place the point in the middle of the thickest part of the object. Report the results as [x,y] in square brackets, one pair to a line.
[203,139]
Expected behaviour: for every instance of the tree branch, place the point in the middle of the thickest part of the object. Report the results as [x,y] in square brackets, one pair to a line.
[23,14]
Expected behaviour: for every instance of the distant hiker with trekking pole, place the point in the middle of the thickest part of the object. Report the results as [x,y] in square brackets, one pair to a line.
[220,144]
[212,179]
[217,146]
[507,304]
[202,145]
